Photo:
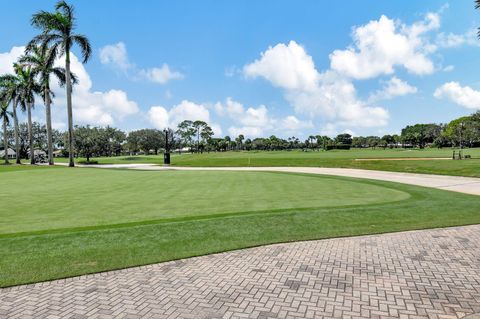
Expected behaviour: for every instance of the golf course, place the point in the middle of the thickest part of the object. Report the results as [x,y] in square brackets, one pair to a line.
[62,222]
[428,161]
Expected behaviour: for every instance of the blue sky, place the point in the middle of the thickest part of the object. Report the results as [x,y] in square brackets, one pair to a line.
[266,67]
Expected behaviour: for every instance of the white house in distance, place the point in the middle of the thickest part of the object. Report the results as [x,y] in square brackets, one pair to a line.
[10,153]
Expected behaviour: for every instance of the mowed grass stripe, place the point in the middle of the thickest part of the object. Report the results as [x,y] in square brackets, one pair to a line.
[47,256]
[44,199]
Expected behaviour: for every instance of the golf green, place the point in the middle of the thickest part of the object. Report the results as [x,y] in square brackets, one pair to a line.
[48,199]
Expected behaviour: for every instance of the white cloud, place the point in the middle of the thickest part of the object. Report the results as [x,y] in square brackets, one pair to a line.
[256,117]
[285,66]
[161,118]
[328,95]
[382,44]
[251,121]
[187,110]
[448,68]
[91,107]
[379,47]
[231,108]
[256,121]
[329,129]
[116,56]
[248,131]
[8,58]
[160,75]
[96,108]
[464,96]
[293,124]
[392,88]
[452,40]
[61,126]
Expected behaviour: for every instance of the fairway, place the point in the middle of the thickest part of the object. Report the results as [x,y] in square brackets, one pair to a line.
[372,159]
[62,222]
[66,198]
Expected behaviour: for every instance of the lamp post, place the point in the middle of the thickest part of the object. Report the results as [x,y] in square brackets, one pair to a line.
[166,154]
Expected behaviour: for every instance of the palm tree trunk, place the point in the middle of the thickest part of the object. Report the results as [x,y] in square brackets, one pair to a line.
[5,139]
[30,133]
[69,109]
[49,127]
[16,129]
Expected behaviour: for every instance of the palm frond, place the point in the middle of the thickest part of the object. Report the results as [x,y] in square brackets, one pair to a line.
[42,20]
[65,8]
[84,45]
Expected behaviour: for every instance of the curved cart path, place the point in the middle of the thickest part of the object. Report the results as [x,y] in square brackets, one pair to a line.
[468,185]
[417,274]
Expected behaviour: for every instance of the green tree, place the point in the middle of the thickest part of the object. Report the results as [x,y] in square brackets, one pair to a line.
[186,131]
[203,131]
[5,117]
[421,134]
[10,91]
[87,141]
[228,141]
[28,87]
[239,141]
[58,33]
[311,141]
[146,140]
[41,60]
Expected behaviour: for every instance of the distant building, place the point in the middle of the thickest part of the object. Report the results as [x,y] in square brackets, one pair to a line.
[58,153]
[10,153]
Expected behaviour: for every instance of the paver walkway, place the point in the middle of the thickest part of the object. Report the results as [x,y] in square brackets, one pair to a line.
[417,274]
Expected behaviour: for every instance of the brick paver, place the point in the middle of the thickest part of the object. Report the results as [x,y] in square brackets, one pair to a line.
[418,274]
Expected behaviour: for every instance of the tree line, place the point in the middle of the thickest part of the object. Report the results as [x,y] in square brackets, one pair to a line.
[33,73]
[198,136]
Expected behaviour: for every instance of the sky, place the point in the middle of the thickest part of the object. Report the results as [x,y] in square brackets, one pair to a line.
[261,68]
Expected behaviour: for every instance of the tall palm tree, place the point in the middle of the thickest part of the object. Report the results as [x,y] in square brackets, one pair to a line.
[42,59]
[28,87]
[5,117]
[58,34]
[10,92]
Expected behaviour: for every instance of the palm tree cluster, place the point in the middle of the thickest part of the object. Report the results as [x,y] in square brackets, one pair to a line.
[34,70]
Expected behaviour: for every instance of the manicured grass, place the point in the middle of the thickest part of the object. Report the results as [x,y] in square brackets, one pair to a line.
[345,159]
[90,229]
[68,198]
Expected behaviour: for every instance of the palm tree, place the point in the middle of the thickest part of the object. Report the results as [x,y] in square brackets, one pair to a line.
[28,87]
[311,140]
[10,92]
[5,116]
[58,34]
[239,141]
[199,126]
[42,59]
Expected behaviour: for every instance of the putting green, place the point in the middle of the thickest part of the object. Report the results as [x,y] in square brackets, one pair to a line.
[46,199]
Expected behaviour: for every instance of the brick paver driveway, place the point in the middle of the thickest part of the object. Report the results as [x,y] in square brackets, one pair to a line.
[428,274]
